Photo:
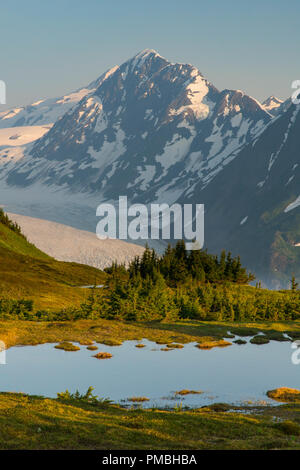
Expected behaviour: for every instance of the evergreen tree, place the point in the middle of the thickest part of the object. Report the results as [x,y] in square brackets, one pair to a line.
[294,284]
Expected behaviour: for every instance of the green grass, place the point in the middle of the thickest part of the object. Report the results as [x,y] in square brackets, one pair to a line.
[259,340]
[113,333]
[31,422]
[28,273]
[75,422]
[92,348]
[240,341]
[66,346]
[284,394]
[103,355]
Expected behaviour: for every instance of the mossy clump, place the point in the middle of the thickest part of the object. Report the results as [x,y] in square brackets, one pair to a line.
[140,345]
[138,399]
[218,407]
[276,336]
[259,339]
[178,339]
[66,346]
[294,334]
[111,342]
[288,427]
[166,349]
[92,348]
[240,341]
[86,342]
[284,394]
[103,355]
[189,392]
[213,344]
[175,346]
[244,331]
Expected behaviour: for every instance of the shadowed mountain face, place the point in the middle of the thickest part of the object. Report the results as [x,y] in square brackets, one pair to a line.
[253,206]
[150,129]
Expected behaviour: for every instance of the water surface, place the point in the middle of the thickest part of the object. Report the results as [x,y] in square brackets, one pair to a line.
[235,374]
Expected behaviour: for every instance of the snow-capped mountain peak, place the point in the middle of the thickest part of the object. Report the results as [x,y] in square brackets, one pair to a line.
[48,111]
[148,128]
[272,105]
[146,54]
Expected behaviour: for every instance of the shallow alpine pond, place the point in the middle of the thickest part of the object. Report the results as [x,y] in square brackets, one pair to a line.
[237,374]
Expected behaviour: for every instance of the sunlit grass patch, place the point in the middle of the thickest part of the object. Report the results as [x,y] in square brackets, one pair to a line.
[111,342]
[82,421]
[209,344]
[284,394]
[103,355]
[28,273]
[66,346]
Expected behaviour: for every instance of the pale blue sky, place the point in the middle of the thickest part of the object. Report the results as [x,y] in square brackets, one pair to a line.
[52,47]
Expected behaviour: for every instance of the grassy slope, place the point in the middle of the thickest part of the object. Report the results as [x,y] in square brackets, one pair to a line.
[26,272]
[37,423]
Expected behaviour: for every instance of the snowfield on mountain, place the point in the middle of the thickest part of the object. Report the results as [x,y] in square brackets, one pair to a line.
[148,129]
